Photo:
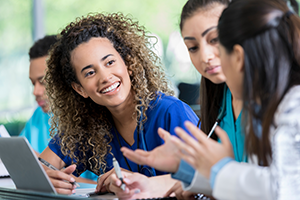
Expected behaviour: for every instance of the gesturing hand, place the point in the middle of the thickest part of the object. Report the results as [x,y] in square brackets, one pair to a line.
[202,153]
[163,157]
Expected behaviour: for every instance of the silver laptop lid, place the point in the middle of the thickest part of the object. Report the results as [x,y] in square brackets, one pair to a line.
[23,165]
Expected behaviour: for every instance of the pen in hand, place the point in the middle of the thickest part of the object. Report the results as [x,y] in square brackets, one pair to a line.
[118,172]
[44,162]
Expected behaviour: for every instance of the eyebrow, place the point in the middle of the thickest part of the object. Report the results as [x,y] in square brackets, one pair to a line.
[202,34]
[102,59]
[207,30]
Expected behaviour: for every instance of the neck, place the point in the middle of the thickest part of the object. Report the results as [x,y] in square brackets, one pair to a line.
[237,105]
[124,117]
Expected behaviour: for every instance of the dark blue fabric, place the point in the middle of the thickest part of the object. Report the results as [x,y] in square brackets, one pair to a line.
[166,112]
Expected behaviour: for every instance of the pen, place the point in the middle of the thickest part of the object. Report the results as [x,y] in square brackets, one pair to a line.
[118,172]
[44,162]
[213,128]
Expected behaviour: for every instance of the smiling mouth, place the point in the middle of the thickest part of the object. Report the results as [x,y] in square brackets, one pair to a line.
[110,88]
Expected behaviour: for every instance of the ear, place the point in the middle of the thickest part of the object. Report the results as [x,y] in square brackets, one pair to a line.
[78,88]
[238,57]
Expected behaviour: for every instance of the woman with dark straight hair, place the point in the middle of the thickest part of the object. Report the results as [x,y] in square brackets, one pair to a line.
[260,56]
[198,25]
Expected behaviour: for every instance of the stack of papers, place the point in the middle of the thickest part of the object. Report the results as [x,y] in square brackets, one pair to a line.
[3,171]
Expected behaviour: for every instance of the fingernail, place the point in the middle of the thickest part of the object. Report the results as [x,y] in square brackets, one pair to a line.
[73,191]
[72,179]
[136,191]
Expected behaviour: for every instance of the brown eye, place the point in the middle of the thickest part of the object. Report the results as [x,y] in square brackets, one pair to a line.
[110,62]
[193,49]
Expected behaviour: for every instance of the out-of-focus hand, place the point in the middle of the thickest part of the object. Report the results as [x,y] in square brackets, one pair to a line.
[202,153]
[137,186]
[104,181]
[178,191]
[163,157]
[61,179]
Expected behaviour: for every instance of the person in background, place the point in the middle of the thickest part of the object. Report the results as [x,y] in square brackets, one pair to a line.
[37,127]
[107,90]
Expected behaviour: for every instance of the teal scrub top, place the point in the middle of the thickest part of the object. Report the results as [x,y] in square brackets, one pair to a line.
[234,129]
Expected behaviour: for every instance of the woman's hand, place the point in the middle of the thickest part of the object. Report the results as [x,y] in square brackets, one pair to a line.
[137,186]
[104,180]
[178,191]
[61,180]
[202,153]
[163,157]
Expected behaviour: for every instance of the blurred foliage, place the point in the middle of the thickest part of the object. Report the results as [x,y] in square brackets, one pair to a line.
[16,37]
[158,16]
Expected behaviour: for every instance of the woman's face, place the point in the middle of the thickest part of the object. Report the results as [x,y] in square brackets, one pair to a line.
[232,65]
[201,39]
[102,73]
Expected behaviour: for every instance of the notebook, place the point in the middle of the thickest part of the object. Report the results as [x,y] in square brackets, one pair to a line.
[3,171]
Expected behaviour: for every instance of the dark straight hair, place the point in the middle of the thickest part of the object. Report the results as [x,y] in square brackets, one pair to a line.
[269,34]
[211,94]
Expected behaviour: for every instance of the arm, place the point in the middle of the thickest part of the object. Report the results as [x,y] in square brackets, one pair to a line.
[233,180]
[60,179]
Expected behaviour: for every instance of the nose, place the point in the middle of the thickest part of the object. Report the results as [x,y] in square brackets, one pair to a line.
[207,53]
[104,75]
[38,89]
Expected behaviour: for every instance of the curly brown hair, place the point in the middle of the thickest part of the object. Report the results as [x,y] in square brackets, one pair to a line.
[80,123]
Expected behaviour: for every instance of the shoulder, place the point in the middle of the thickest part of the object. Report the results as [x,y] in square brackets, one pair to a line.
[166,102]
[288,110]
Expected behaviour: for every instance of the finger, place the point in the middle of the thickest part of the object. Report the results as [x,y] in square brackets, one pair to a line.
[189,145]
[188,158]
[64,191]
[223,136]
[61,184]
[138,156]
[185,152]
[100,183]
[196,132]
[172,189]
[61,175]
[163,134]
[70,169]
[188,195]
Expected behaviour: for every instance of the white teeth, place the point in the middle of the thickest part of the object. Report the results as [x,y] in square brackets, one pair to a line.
[110,88]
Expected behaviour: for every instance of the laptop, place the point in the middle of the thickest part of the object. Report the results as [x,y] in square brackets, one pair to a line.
[27,172]
[23,165]
[3,171]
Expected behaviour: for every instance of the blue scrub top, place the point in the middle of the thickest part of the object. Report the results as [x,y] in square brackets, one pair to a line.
[166,112]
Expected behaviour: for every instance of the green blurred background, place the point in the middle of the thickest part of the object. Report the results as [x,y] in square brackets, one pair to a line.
[18,33]
[24,21]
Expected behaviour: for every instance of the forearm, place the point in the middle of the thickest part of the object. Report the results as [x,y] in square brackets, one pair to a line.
[52,158]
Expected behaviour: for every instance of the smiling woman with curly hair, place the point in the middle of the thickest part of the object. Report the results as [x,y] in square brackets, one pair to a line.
[107,89]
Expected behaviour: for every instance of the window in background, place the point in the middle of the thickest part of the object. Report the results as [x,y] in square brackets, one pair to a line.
[16,99]
[16,36]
